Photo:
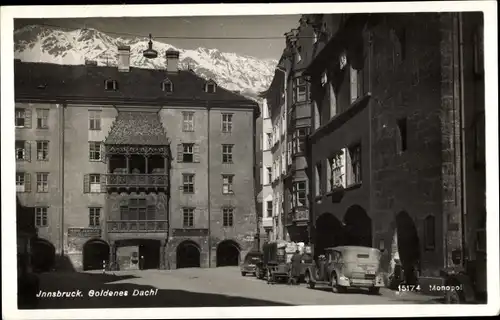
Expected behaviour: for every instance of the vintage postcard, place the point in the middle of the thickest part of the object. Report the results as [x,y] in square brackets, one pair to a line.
[250,160]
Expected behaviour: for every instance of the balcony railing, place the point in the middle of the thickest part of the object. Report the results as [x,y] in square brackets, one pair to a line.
[150,226]
[137,180]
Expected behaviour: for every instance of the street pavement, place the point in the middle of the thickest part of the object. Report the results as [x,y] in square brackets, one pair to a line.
[197,287]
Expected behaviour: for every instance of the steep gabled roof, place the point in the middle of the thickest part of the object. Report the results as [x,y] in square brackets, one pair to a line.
[87,83]
[137,128]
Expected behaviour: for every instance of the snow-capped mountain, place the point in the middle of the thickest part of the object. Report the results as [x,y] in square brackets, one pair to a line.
[246,74]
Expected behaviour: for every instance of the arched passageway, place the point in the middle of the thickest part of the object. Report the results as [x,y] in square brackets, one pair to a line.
[188,255]
[228,253]
[408,245]
[43,255]
[95,251]
[329,233]
[149,254]
[358,227]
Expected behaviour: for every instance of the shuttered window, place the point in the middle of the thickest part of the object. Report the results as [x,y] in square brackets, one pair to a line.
[23,150]
[188,152]
[94,183]
[42,118]
[23,182]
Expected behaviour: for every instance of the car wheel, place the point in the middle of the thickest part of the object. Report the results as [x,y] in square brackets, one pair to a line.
[336,288]
[308,280]
[452,297]
[243,273]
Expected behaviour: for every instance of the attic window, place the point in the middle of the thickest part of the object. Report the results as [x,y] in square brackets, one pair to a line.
[167,86]
[210,87]
[110,85]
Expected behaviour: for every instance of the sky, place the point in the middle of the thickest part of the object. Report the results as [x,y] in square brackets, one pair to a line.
[222,26]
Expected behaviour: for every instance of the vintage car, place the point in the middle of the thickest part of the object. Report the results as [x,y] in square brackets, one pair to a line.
[274,266]
[347,267]
[249,265]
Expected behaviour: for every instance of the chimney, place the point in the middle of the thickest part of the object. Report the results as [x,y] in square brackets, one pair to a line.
[172,60]
[124,58]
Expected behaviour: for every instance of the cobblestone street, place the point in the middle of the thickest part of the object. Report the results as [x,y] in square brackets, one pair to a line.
[200,288]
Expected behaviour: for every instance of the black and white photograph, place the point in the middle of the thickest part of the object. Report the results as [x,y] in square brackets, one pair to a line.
[319,160]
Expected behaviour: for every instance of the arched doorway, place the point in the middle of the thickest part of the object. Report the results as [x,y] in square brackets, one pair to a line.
[188,255]
[228,253]
[43,255]
[408,244]
[329,233]
[358,227]
[95,251]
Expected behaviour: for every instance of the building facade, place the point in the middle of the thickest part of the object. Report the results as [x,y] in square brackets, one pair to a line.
[397,131]
[267,173]
[135,167]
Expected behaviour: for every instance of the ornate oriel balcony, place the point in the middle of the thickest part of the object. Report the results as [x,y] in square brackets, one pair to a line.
[298,216]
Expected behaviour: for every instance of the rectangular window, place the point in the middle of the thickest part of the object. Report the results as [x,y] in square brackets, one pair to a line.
[136,210]
[337,170]
[187,152]
[227,122]
[42,118]
[23,182]
[42,182]
[227,184]
[22,150]
[94,120]
[41,216]
[354,174]
[94,217]
[227,217]
[188,121]
[42,150]
[269,175]
[269,209]
[95,183]
[300,194]
[403,135]
[188,217]
[299,137]
[20,117]
[300,90]
[95,150]
[188,183]
[227,153]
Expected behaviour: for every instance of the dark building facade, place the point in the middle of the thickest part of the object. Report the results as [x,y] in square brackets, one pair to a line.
[397,135]
[135,167]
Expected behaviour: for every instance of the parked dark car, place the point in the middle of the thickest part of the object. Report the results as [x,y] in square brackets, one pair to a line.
[252,259]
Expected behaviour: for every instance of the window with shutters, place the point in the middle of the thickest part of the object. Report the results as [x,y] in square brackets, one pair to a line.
[188,183]
[187,152]
[227,122]
[354,165]
[227,217]
[188,121]
[94,120]
[42,150]
[41,216]
[23,182]
[23,149]
[269,209]
[227,153]
[430,233]
[95,150]
[42,118]
[42,182]
[94,217]
[21,117]
[95,183]
[188,217]
[227,184]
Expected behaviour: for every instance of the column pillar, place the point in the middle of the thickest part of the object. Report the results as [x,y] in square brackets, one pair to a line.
[163,264]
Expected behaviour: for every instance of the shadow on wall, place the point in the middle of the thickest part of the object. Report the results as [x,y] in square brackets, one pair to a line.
[86,282]
[64,264]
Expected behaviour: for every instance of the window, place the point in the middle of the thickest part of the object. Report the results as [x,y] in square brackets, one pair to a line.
[42,118]
[188,183]
[111,85]
[42,150]
[41,216]
[94,120]
[137,209]
[354,172]
[269,209]
[95,150]
[188,217]
[23,182]
[210,87]
[94,217]
[300,194]
[299,140]
[227,122]
[403,138]
[227,153]
[430,233]
[337,170]
[269,174]
[21,118]
[187,152]
[95,183]
[23,149]
[227,217]
[42,182]
[188,121]
[300,90]
[167,86]
[227,184]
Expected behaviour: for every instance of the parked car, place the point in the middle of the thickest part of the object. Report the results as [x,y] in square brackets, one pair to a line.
[249,265]
[347,267]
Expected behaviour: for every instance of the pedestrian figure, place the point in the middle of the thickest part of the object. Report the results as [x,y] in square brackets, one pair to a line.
[141,263]
[296,266]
